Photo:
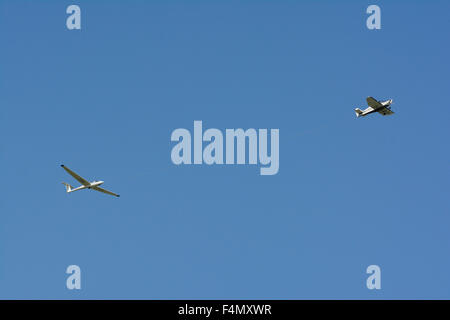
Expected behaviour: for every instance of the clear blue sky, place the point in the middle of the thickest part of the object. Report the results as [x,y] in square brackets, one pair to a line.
[104,101]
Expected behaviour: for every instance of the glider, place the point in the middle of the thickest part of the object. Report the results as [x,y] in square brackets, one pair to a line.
[85,184]
[383,107]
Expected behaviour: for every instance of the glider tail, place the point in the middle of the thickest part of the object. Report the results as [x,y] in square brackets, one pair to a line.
[68,187]
[358,112]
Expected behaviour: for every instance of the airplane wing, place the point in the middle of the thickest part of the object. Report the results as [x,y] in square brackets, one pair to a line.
[73,174]
[373,103]
[105,191]
[385,111]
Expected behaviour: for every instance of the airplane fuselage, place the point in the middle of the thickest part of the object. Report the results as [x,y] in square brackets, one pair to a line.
[92,184]
[369,110]
[95,184]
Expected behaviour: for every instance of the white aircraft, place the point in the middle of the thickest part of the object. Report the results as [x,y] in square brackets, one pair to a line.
[382,107]
[85,184]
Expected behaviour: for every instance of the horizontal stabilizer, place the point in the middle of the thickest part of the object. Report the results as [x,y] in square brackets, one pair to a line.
[358,112]
[68,187]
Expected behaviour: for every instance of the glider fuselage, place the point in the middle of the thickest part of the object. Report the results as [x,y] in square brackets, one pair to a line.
[92,184]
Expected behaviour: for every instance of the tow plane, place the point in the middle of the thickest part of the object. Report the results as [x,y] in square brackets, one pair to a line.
[383,107]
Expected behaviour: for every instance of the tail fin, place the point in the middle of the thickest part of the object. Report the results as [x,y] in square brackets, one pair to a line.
[358,112]
[68,187]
